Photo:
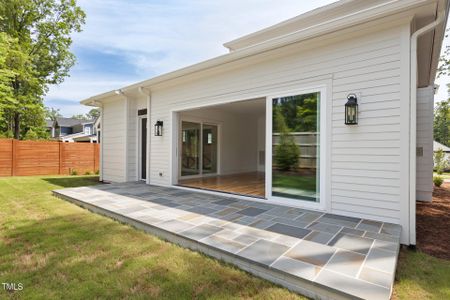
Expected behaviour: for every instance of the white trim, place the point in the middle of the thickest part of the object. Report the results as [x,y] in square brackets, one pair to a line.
[126,110]
[101,143]
[323,156]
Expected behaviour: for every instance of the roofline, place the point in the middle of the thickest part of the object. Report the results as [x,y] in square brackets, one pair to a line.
[369,14]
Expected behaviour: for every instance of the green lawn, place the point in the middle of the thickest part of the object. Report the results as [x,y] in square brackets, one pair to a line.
[445,175]
[58,250]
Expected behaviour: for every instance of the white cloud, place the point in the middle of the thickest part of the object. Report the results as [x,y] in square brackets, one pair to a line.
[155,37]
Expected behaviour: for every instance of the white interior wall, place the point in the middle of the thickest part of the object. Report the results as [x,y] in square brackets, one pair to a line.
[237,138]
[261,143]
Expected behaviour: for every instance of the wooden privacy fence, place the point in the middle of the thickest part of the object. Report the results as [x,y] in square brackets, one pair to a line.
[25,158]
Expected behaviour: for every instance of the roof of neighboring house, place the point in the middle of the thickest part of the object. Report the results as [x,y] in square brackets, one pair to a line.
[437,146]
[327,19]
[48,123]
[69,122]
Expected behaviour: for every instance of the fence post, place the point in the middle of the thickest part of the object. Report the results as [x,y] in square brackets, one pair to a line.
[14,158]
[61,154]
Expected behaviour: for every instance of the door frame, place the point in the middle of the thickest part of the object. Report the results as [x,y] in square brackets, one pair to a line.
[201,121]
[323,149]
[139,144]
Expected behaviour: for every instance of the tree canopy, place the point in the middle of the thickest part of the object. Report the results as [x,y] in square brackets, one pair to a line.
[441,125]
[37,35]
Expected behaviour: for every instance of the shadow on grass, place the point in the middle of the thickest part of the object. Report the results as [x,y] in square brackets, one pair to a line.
[73,181]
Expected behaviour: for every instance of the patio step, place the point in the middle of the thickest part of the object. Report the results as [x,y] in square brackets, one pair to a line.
[286,251]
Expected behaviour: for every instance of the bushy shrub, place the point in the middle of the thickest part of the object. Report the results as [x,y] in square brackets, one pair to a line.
[73,172]
[438,180]
[440,161]
[87,173]
[97,172]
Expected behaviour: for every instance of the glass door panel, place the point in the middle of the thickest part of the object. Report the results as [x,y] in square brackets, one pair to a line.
[295,147]
[209,150]
[190,148]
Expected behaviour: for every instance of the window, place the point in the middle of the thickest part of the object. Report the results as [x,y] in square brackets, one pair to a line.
[87,130]
[295,147]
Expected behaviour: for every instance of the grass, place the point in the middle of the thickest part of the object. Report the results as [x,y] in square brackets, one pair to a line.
[445,175]
[421,276]
[58,250]
[294,181]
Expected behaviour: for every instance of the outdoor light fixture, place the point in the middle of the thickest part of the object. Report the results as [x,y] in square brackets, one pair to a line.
[351,110]
[158,128]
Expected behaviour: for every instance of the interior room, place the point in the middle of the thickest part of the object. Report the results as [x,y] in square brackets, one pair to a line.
[222,148]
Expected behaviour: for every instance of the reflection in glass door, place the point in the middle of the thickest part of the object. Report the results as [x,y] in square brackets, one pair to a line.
[198,141]
[190,148]
[209,150]
[295,147]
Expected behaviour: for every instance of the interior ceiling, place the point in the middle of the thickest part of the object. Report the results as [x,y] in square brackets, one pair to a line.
[246,107]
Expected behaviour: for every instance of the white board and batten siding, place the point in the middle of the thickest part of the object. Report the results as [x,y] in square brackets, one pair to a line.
[424,171]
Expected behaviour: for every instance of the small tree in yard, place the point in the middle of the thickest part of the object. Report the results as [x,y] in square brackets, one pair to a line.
[440,161]
[286,152]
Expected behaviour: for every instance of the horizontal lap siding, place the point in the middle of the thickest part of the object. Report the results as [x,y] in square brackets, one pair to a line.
[364,159]
[424,171]
[113,133]
[132,132]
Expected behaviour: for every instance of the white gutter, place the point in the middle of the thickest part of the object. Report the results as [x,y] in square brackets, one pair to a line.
[146,92]
[413,125]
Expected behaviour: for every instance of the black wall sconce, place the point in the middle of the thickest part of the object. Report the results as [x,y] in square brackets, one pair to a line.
[158,128]
[351,110]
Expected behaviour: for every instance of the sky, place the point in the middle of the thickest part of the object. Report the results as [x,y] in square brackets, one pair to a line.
[124,42]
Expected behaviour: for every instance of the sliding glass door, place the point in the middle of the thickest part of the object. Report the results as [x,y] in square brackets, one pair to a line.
[296,147]
[199,148]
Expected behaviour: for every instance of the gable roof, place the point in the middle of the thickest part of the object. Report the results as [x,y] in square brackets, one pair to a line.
[327,19]
[69,122]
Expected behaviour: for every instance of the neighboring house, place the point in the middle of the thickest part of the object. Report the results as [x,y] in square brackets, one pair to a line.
[228,124]
[74,130]
[437,146]
[49,127]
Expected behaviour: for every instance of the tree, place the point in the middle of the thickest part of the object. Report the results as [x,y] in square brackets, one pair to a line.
[40,55]
[286,152]
[6,76]
[79,117]
[440,161]
[93,114]
[441,125]
[52,113]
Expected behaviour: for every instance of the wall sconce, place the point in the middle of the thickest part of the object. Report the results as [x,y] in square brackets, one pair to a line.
[351,110]
[158,128]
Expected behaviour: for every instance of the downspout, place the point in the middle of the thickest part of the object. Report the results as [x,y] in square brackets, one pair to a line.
[413,127]
[146,92]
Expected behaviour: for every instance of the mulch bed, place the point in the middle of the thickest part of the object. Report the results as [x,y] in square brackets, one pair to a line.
[433,223]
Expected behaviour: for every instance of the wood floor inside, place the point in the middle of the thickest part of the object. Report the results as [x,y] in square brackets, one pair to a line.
[248,184]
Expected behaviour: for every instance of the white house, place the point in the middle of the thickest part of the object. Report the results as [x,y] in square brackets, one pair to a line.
[267,120]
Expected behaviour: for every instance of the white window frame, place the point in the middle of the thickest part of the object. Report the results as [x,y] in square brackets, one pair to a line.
[200,121]
[323,150]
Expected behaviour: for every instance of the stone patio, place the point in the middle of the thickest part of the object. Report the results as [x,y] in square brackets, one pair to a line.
[319,255]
